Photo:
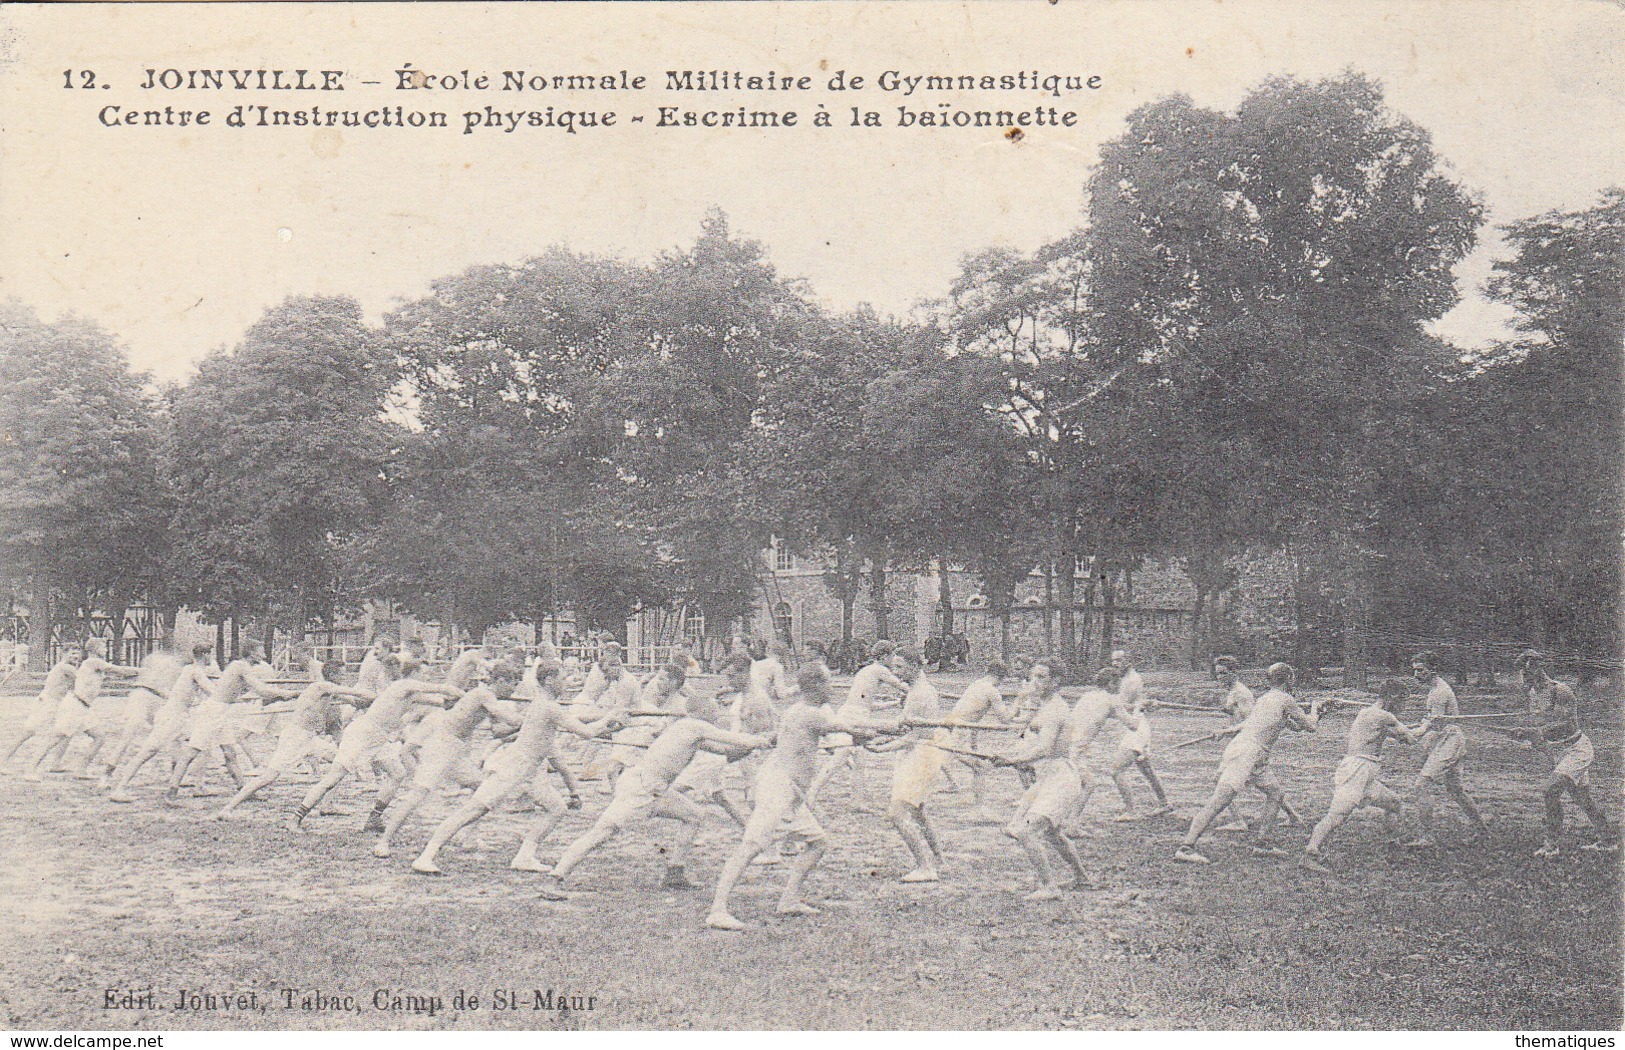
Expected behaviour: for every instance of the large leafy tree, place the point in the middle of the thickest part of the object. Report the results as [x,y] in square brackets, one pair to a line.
[1516,486]
[82,503]
[818,484]
[277,451]
[715,326]
[1276,265]
[504,500]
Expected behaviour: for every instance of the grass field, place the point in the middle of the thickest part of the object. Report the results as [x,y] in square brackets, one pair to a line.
[96,897]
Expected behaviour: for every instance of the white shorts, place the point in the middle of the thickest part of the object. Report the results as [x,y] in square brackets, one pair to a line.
[1575,765]
[1446,753]
[106,715]
[703,775]
[635,799]
[1358,782]
[296,743]
[364,745]
[781,810]
[1244,762]
[71,717]
[141,709]
[1055,797]
[512,773]
[1137,742]
[211,725]
[168,726]
[914,777]
[438,755]
[424,728]
[41,715]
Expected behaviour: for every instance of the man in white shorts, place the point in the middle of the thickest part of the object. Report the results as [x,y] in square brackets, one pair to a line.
[980,701]
[1558,734]
[42,715]
[1447,747]
[85,710]
[662,695]
[1134,748]
[861,697]
[1051,804]
[521,766]
[1098,704]
[705,778]
[211,722]
[159,670]
[1358,780]
[169,725]
[781,796]
[914,776]
[304,735]
[612,689]
[650,789]
[372,741]
[447,753]
[1245,761]
[769,681]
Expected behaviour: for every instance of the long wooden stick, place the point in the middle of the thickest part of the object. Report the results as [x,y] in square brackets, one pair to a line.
[1197,708]
[967,752]
[1221,734]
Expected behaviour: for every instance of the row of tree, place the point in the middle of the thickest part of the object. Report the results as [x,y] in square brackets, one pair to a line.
[1231,355]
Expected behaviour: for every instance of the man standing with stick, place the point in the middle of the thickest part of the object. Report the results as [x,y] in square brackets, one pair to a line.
[781,796]
[1559,736]
[1358,780]
[1245,761]
[1051,804]
[1447,747]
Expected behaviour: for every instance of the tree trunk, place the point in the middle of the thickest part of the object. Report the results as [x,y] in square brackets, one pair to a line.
[1196,629]
[115,640]
[877,597]
[945,598]
[41,617]
[1356,620]
[236,637]
[1302,654]
[1004,632]
[1067,595]
[1049,608]
[1108,609]
[220,643]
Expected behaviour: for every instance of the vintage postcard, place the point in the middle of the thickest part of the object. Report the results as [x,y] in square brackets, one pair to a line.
[1009,515]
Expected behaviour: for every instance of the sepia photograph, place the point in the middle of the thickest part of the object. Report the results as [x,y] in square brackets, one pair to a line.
[1012,515]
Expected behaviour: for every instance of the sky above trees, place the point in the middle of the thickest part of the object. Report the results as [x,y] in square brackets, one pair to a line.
[172,240]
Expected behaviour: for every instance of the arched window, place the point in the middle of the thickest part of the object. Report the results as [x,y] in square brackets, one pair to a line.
[784,623]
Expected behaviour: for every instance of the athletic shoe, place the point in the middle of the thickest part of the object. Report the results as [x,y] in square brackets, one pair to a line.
[1599,846]
[1187,855]
[1268,851]
[1548,849]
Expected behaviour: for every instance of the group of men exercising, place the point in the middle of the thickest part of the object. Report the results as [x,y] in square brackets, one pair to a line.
[665,749]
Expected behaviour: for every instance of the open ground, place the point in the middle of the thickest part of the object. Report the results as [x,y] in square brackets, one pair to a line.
[96,898]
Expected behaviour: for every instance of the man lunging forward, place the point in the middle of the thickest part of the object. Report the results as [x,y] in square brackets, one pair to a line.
[781,796]
[1358,780]
[520,767]
[1245,761]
